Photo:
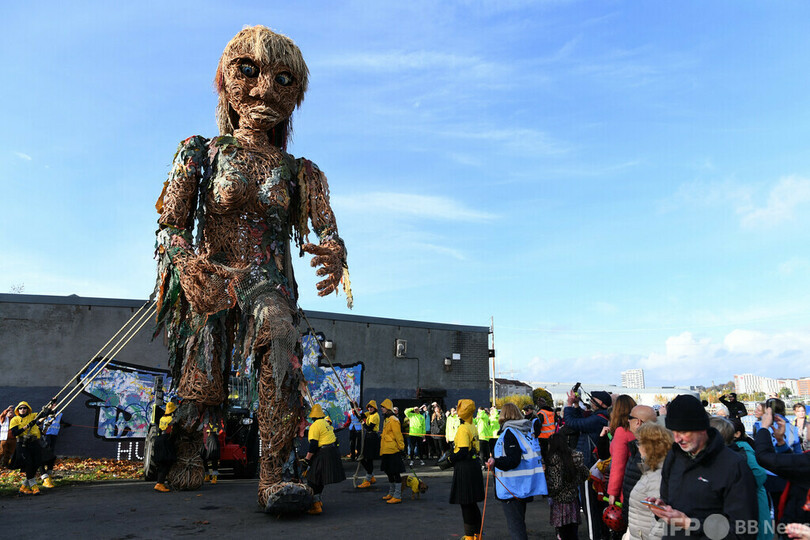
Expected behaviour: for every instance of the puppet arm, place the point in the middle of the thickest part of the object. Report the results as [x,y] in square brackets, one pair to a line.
[330,252]
[176,206]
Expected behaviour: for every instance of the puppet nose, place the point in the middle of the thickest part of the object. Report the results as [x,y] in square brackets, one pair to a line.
[262,89]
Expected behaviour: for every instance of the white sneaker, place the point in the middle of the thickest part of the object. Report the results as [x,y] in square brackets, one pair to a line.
[421,462]
[410,464]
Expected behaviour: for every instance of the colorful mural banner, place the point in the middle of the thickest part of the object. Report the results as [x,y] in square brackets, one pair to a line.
[324,382]
[122,395]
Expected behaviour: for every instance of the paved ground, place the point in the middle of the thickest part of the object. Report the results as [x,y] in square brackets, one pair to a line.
[133,509]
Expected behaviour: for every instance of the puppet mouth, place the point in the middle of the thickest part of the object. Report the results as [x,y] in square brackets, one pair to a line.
[263,114]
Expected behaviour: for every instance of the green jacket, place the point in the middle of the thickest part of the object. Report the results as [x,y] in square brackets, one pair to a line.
[416,421]
[481,422]
[452,426]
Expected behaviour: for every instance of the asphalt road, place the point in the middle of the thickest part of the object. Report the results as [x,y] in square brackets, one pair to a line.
[132,509]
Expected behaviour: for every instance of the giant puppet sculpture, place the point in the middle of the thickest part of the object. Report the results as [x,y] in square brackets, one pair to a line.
[227,297]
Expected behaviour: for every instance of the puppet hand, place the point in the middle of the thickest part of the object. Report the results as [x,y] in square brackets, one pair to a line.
[330,255]
[206,285]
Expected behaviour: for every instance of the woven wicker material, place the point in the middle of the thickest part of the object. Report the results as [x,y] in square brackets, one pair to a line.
[187,472]
[226,293]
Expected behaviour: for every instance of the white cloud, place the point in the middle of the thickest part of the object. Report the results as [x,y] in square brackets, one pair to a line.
[794,265]
[410,205]
[21,155]
[523,140]
[784,197]
[688,359]
[441,250]
[393,61]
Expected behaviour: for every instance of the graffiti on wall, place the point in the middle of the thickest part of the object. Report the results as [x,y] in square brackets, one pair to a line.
[324,383]
[122,395]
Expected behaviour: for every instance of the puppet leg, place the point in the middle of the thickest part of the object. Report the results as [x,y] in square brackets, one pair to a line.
[281,410]
[201,386]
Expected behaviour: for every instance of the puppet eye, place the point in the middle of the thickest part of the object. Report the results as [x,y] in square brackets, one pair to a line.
[284,78]
[249,70]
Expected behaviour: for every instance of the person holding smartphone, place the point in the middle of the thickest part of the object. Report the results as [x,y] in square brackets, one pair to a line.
[701,477]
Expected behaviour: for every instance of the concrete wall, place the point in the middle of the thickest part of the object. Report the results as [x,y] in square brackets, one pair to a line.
[46,340]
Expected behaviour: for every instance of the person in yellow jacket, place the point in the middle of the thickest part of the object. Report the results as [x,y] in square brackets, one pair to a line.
[467,488]
[29,452]
[165,450]
[323,457]
[391,448]
[371,442]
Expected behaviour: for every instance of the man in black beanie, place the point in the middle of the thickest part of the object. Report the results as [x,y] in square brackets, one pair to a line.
[707,490]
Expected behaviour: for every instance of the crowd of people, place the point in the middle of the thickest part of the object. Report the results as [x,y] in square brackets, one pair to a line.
[629,471]
[28,443]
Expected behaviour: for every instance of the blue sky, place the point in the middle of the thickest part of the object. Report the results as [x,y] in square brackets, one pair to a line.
[618,184]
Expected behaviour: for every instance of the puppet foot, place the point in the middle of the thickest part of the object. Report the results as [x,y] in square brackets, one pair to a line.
[188,472]
[286,498]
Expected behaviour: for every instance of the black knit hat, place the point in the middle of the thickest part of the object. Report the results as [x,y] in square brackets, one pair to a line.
[685,413]
[604,397]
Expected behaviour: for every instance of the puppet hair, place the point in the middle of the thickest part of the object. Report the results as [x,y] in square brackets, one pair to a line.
[267,47]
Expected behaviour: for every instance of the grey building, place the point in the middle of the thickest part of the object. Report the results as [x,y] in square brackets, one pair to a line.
[47,340]
[510,387]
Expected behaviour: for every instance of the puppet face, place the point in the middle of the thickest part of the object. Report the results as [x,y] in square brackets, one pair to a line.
[262,95]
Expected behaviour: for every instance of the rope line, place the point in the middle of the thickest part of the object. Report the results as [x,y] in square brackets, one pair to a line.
[109,356]
[141,317]
[104,346]
[484,511]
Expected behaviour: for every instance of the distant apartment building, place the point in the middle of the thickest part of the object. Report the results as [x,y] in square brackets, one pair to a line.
[633,378]
[748,383]
[509,387]
[792,384]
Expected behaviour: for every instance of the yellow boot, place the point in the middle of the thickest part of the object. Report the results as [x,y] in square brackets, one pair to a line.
[364,485]
[35,489]
[48,483]
[162,488]
[316,508]
[396,496]
[214,478]
[207,478]
[25,490]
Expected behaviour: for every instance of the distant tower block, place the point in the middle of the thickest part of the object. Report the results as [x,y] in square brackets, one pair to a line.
[633,378]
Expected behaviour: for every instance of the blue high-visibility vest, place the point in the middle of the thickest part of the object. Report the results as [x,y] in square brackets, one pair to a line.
[529,477]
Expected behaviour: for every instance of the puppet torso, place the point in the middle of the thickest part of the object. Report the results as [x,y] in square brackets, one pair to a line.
[247,201]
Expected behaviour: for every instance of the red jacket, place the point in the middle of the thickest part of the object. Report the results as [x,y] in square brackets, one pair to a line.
[618,460]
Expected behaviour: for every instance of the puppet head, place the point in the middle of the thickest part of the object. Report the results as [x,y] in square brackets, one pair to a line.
[261,78]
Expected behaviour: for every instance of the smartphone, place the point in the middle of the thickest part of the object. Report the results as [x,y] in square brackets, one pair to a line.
[652,504]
